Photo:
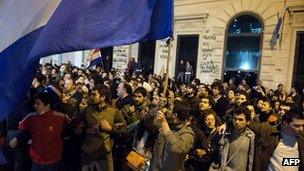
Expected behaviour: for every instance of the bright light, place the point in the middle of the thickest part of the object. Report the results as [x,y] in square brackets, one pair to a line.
[245,66]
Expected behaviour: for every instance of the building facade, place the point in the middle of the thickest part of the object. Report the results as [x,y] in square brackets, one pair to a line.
[230,39]
[211,21]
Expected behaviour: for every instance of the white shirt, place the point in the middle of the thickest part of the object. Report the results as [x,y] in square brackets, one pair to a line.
[287,148]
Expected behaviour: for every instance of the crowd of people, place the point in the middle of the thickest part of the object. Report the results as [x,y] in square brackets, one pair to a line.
[88,119]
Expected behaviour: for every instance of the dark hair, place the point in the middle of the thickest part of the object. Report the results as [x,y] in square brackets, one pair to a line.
[44,97]
[194,88]
[54,93]
[211,100]
[210,112]
[201,119]
[104,91]
[181,108]
[244,93]
[292,114]
[197,81]
[141,91]
[40,78]
[140,80]
[271,104]
[128,88]
[243,110]
[296,88]
[284,104]
[290,96]
[218,85]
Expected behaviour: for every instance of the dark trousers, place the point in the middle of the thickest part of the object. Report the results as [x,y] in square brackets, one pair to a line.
[181,77]
[19,160]
[49,167]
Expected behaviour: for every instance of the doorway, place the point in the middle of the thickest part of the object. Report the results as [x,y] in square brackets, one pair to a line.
[107,63]
[298,69]
[146,56]
[187,49]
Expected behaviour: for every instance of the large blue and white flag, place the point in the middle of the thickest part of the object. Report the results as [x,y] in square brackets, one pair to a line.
[31,29]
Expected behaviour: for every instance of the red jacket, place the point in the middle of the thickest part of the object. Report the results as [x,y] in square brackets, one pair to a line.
[46,147]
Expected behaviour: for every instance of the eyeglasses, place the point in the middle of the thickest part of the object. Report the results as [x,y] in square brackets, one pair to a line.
[204,101]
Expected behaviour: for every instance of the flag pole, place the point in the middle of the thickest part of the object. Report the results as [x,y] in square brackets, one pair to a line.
[282,25]
[169,43]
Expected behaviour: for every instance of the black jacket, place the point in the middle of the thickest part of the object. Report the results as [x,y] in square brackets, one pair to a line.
[221,106]
[267,140]
[125,101]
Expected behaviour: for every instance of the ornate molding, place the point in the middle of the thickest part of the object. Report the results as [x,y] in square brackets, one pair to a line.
[299,19]
[296,15]
[295,9]
[189,24]
[191,17]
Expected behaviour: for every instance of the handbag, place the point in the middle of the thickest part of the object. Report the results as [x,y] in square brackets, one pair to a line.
[136,161]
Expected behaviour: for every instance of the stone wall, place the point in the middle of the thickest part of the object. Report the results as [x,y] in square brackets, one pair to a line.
[209,19]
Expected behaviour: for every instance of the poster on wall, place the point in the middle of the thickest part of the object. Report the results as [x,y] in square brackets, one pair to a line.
[161,56]
[210,59]
[120,57]
[87,56]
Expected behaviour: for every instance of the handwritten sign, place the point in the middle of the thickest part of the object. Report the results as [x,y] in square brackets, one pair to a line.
[210,58]
[161,56]
[209,67]
[120,57]
[163,49]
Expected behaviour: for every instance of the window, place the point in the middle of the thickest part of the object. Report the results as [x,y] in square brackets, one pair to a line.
[243,49]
